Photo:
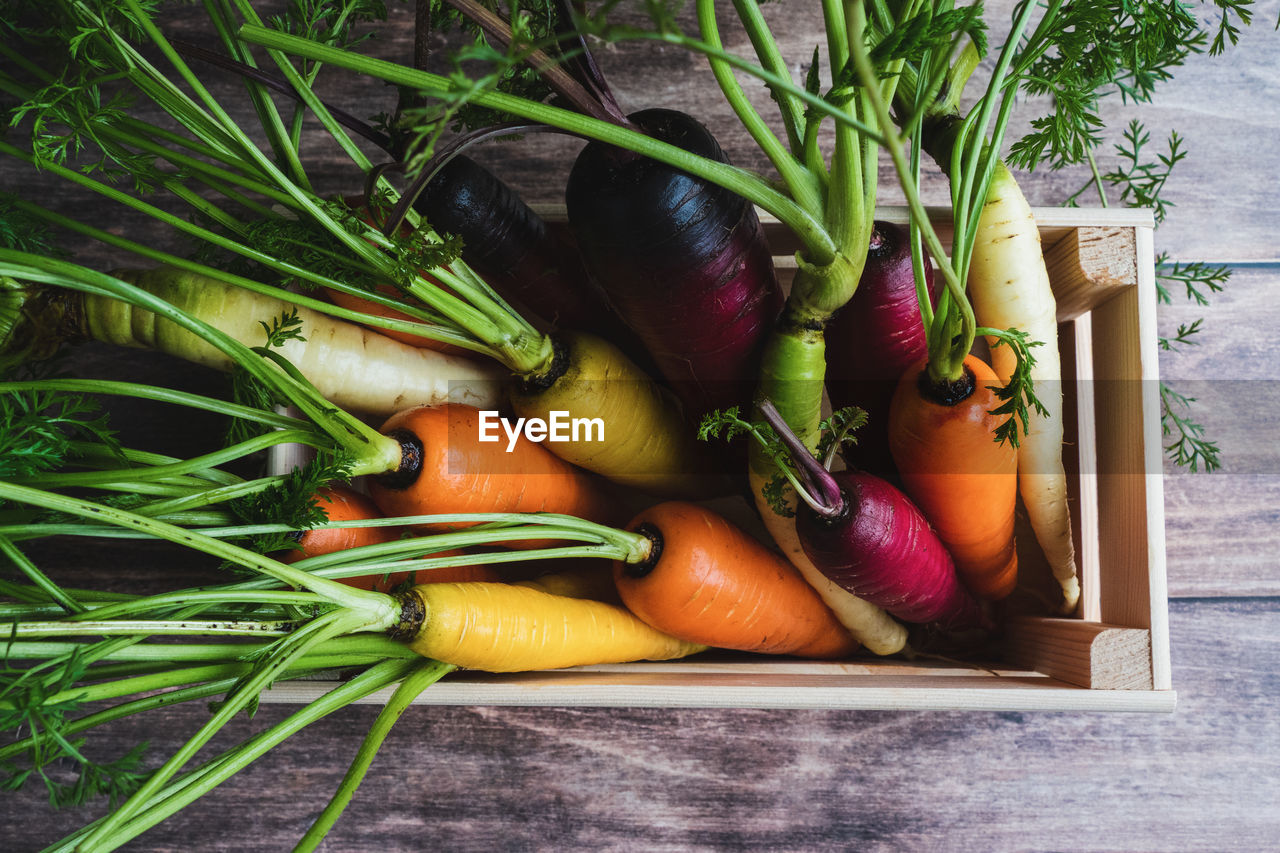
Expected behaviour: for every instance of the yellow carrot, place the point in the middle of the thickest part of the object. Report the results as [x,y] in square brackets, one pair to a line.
[505,628]
[642,439]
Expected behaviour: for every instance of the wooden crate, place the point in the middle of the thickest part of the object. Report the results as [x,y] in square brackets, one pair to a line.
[1113,656]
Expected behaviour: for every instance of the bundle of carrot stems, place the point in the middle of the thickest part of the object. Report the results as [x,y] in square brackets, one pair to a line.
[497,429]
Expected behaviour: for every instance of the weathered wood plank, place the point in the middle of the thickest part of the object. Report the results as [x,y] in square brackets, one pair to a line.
[546,778]
[1222,526]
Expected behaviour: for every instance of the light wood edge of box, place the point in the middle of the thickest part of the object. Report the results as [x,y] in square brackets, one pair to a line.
[1153,445]
[1087,508]
[675,691]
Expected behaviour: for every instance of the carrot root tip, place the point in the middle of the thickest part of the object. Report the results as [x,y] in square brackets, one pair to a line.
[643,567]
[947,392]
[411,456]
[413,613]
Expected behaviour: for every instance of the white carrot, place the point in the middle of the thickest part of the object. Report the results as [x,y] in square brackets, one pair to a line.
[1009,287]
[353,367]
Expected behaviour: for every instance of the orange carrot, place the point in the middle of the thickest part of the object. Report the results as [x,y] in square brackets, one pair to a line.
[345,504]
[710,582]
[964,482]
[341,503]
[458,473]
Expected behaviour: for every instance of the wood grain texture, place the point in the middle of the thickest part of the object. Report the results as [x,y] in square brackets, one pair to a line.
[545,778]
[1088,654]
[1223,529]
[1087,264]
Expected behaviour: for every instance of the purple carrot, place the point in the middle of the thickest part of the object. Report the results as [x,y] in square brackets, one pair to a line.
[874,339]
[684,262]
[512,247]
[870,539]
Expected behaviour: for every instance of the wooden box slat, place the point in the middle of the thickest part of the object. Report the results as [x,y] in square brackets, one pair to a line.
[1113,655]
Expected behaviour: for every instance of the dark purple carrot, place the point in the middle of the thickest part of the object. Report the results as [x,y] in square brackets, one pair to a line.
[874,339]
[515,250]
[867,536]
[684,262]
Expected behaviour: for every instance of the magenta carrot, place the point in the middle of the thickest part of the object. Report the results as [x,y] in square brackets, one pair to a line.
[873,340]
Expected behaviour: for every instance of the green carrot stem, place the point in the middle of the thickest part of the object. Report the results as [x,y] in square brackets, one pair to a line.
[408,690]
[24,594]
[750,186]
[200,463]
[943,362]
[368,603]
[160,803]
[174,507]
[208,173]
[425,565]
[96,455]
[800,183]
[153,627]
[296,644]
[766,48]
[974,174]
[434,331]
[617,544]
[156,393]
[833,17]
[192,596]
[42,581]
[431,329]
[125,709]
[268,116]
[202,207]
[791,376]
[357,646]
[168,678]
[524,356]
[144,487]
[300,85]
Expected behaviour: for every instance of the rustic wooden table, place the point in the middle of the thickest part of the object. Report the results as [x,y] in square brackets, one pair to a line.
[1202,778]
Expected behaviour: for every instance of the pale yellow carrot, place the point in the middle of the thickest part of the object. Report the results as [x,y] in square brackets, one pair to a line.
[1009,287]
[354,367]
